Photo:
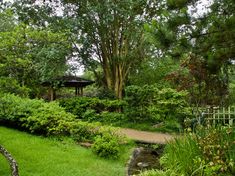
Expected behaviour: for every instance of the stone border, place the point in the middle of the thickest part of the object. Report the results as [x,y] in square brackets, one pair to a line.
[132,158]
[11,160]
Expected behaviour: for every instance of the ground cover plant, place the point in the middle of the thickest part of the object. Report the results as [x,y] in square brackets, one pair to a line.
[209,152]
[40,156]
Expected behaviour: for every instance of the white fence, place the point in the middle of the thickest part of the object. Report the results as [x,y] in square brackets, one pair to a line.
[218,115]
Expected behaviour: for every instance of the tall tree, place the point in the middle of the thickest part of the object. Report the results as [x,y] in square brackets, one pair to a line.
[205,43]
[109,34]
[30,54]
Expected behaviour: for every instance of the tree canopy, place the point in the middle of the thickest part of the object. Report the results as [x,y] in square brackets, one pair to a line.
[123,41]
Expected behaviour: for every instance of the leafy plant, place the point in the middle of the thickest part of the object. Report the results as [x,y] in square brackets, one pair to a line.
[107,146]
[217,146]
[40,117]
[79,105]
[209,152]
[156,105]
[179,155]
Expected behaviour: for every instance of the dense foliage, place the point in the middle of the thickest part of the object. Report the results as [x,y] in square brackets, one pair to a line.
[146,104]
[39,117]
[160,59]
[203,39]
[209,152]
[94,109]
[156,105]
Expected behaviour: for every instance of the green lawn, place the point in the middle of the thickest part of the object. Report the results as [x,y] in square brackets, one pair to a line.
[40,156]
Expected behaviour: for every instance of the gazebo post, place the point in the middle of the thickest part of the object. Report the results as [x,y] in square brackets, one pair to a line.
[81,91]
[76,91]
[52,93]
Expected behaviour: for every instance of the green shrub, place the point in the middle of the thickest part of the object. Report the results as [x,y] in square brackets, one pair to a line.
[10,85]
[50,119]
[106,146]
[94,109]
[47,118]
[156,105]
[84,131]
[13,108]
[35,115]
[79,105]
[90,115]
[111,117]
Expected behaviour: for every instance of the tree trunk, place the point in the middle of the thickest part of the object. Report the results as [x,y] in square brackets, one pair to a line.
[12,162]
[119,81]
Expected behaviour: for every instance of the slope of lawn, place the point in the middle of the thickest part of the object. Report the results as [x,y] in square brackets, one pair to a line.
[40,156]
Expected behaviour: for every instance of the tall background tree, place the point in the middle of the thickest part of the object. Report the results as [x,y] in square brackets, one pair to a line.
[203,42]
[109,34]
[29,53]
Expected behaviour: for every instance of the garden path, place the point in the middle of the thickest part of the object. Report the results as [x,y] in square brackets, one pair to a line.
[147,137]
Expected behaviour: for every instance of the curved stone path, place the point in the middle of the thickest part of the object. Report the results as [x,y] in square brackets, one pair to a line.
[147,137]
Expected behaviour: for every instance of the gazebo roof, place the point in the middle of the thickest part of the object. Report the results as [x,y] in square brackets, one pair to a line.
[68,81]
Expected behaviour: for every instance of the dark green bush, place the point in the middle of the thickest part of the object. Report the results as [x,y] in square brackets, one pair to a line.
[79,105]
[94,109]
[149,103]
[111,117]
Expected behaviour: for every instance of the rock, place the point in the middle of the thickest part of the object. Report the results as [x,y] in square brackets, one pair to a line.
[142,165]
[85,144]
[159,125]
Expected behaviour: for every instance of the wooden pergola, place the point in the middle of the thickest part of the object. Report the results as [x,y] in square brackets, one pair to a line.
[66,81]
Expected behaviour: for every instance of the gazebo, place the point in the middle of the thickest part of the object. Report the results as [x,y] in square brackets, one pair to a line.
[66,81]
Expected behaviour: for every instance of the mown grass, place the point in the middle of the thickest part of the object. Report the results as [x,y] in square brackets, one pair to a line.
[40,156]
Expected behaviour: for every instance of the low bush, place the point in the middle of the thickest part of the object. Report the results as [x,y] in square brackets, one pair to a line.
[107,146]
[47,118]
[34,115]
[79,105]
[14,108]
[111,117]
[39,117]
